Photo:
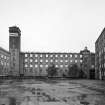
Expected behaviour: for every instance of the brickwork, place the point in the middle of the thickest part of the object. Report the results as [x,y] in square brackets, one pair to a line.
[4,62]
[100,56]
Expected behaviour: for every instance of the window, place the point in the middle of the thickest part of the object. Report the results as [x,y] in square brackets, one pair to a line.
[30,55]
[36,66]
[1,62]
[61,55]
[1,56]
[26,60]
[56,60]
[36,60]
[80,56]
[40,55]
[75,55]
[75,61]
[66,60]
[41,65]
[5,57]
[70,55]
[56,65]
[51,60]
[31,65]
[66,65]
[66,55]
[41,60]
[56,55]
[46,65]
[30,60]
[46,55]
[46,60]
[61,65]
[36,55]
[26,55]
[7,64]
[51,55]
[61,60]
[81,61]
[26,65]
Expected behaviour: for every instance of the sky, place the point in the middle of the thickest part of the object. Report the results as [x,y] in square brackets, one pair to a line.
[53,25]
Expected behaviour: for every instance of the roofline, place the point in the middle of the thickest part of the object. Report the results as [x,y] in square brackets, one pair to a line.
[100,35]
[4,50]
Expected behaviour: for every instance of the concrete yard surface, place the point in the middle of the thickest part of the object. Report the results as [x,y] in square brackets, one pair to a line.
[52,92]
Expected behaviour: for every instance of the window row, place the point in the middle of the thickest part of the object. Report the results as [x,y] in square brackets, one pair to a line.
[41,60]
[53,55]
[4,63]
[36,66]
[3,57]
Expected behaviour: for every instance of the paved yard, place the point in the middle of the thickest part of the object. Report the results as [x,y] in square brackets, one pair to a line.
[56,92]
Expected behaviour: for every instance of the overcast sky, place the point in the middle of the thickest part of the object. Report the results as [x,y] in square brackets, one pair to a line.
[53,25]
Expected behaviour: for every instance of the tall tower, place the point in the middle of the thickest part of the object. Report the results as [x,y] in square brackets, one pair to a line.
[14,49]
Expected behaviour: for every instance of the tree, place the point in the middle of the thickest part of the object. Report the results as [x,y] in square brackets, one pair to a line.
[51,71]
[73,71]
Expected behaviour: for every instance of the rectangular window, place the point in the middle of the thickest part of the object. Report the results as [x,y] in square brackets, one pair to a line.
[36,55]
[66,56]
[75,61]
[80,56]
[30,60]
[61,65]
[71,55]
[30,55]
[56,55]
[75,55]
[61,55]
[41,55]
[46,65]
[36,66]
[46,55]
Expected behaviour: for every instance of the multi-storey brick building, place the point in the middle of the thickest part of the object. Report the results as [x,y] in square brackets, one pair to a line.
[100,56]
[4,62]
[36,63]
[88,64]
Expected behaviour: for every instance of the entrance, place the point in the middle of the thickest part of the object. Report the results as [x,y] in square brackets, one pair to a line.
[92,73]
